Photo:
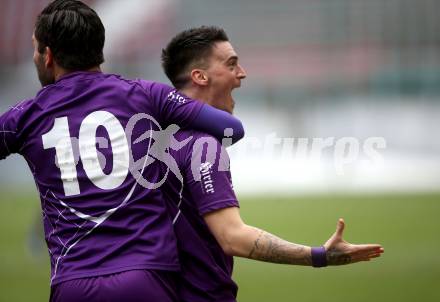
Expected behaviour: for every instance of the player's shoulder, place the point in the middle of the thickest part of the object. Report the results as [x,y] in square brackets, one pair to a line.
[196,136]
[196,140]
[16,116]
[141,83]
[152,86]
[21,106]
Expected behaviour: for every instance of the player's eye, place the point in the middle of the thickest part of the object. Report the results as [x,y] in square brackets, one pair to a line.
[232,64]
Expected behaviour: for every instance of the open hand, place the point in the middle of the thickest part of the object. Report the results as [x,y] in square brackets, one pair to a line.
[340,252]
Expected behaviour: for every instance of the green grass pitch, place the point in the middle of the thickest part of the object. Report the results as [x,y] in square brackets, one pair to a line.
[408,226]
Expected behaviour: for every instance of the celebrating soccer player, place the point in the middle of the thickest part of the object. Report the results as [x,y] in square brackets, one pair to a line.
[109,238]
[202,63]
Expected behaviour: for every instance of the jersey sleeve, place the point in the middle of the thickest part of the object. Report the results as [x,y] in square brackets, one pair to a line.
[169,106]
[173,107]
[215,122]
[9,142]
[207,176]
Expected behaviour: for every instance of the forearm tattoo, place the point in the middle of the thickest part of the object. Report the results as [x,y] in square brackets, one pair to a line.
[337,257]
[270,248]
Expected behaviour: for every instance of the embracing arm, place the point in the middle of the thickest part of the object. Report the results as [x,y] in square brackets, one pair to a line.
[238,239]
[173,107]
[214,121]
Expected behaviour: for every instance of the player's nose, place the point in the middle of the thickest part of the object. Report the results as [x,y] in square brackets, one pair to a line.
[241,74]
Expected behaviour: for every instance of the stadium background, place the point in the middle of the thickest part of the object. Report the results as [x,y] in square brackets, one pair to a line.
[316,69]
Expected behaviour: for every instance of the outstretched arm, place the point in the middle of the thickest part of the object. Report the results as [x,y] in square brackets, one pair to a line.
[238,239]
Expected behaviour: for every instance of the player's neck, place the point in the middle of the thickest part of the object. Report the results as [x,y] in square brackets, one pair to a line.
[197,94]
[59,72]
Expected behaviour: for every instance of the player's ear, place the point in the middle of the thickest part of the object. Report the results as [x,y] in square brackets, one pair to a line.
[199,77]
[48,57]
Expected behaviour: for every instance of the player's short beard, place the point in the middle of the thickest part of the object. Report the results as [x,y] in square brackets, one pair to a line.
[45,76]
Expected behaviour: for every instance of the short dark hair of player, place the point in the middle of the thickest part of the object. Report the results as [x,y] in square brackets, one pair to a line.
[187,50]
[73,32]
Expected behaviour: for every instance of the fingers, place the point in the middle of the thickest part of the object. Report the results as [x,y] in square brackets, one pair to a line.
[365,248]
[366,255]
[340,226]
[337,235]
[358,258]
[362,252]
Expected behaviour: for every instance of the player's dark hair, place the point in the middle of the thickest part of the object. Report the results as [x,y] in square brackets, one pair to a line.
[74,33]
[187,48]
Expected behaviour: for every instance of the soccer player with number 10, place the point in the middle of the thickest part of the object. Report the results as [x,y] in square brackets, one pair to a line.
[109,239]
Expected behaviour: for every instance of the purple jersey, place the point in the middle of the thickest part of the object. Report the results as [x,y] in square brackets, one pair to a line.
[205,186]
[97,218]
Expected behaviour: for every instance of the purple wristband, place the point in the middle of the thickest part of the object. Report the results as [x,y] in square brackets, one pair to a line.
[319,258]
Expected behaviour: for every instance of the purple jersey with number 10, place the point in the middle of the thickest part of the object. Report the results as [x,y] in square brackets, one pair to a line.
[98,219]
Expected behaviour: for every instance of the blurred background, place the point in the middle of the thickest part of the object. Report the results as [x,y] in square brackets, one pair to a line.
[361,78]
